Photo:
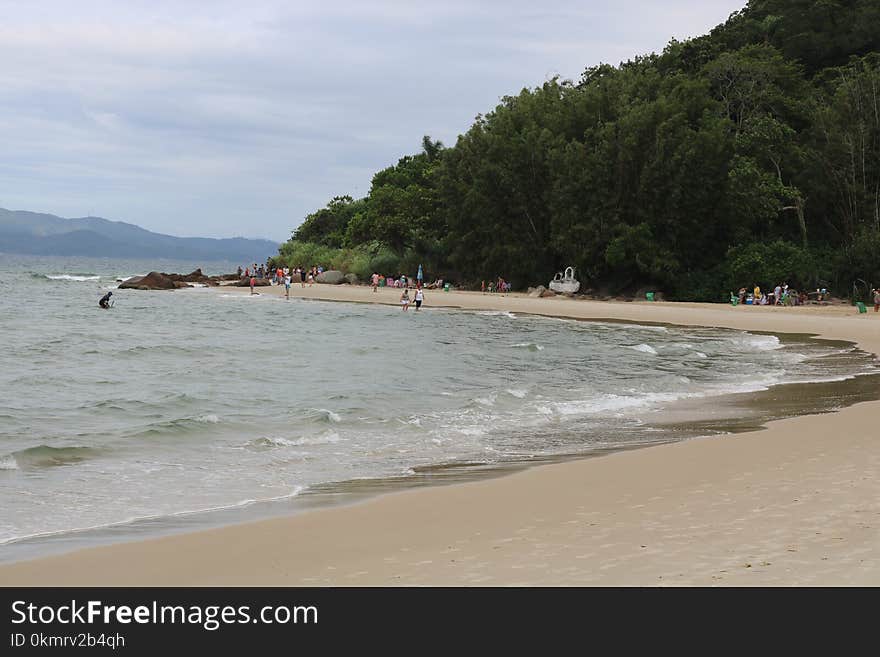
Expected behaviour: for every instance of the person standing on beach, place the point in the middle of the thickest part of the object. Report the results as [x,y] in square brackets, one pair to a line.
[420,296]
[375,280]
[287,285]
[877,299]
[253,282]
[404,299]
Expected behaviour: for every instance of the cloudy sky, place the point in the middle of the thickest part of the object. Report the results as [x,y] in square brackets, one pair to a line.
[230,118]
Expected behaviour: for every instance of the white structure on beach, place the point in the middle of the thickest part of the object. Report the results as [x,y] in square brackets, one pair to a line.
[565,283]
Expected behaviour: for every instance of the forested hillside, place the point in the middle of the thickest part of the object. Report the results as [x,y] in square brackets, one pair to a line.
[748,155]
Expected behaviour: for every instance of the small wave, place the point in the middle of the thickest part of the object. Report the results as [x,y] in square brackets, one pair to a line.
[135,519]
[760,342]
[72,277]
[531,346]
[181,425]
[318,415]
[267,442]
[644,348]
[700,354]
[518,393]
[497,313]
[470,431]
[45,456]
[613,403]
[157,349]
[271,442]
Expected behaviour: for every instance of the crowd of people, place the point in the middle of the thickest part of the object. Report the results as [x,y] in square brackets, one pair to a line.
[286,276]
[781,295]
[377,280]
[499,285]
[277,275]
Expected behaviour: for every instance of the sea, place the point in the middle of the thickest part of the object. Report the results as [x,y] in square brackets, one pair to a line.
[178,410]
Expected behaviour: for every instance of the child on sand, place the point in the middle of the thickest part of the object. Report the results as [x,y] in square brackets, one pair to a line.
[404,299]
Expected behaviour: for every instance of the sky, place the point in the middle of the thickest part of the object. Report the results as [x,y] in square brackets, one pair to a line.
[237,119]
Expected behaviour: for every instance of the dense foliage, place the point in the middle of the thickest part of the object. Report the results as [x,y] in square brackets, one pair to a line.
[749,155]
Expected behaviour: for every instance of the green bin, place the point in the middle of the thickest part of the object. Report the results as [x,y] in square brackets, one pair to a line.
[649,296]
[861,306]
[446,287]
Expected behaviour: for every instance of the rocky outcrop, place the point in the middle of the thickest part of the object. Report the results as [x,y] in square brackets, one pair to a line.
[537,292]
[152,281]
[351,279]
[196,277]
[547,293]
[156,280]
[333,277]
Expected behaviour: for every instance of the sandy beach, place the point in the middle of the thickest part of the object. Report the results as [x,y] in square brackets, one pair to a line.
[797,503]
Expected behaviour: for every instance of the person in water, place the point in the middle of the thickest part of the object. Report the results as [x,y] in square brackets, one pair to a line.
[105,300]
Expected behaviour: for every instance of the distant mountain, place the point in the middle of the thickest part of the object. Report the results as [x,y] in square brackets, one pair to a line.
[45,234]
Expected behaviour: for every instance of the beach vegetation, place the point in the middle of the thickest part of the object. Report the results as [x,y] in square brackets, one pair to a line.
[747,155]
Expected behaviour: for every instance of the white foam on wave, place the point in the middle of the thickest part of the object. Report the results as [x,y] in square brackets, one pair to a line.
[700,354]
[207,419]
[529,345]
[470,431]
[497,313]
[759,342]
[644,348]
[613,403]
[8,463]
[517,392]
[130,521]
[327,438]
[71,277]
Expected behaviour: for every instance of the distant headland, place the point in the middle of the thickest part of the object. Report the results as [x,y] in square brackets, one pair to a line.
[33,233]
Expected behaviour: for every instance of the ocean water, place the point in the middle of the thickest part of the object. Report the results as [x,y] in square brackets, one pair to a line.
[173,404]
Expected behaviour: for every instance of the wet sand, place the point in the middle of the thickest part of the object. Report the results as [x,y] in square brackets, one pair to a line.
[795,504]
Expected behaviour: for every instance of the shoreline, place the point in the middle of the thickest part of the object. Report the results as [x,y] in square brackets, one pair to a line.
[528,528]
